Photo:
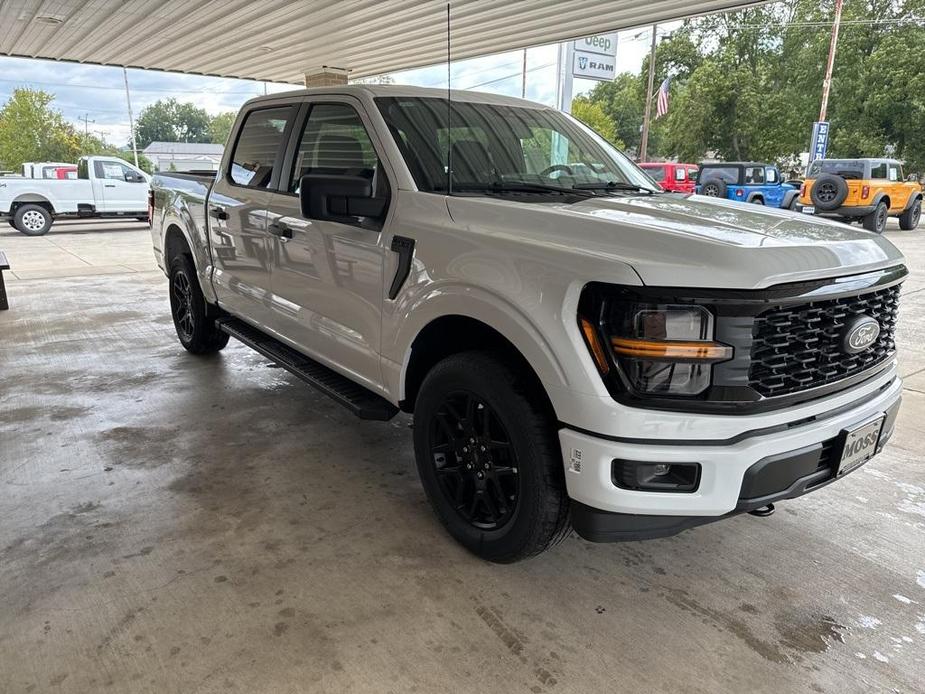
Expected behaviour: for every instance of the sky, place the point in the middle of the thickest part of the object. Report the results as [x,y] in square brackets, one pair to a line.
[97,93]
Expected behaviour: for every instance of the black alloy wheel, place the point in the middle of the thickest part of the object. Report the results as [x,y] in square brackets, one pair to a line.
[181,305]
[711,189]
[475,461]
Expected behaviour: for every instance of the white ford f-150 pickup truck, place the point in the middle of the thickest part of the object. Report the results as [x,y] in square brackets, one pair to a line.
[578,348]
[104,187]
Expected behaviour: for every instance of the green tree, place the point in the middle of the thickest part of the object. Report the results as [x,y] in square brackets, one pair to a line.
[169,120]
[592,114]
[30,130]
[220,127]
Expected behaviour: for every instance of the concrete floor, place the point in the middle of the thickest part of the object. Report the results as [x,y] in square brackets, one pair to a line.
[179,524]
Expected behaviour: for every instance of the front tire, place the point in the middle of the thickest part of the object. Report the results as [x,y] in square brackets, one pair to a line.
[876,220]
[489,458]
[909,219]
[192,317]
[32,220]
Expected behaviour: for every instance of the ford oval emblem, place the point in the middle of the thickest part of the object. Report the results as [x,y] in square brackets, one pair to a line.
[860,334]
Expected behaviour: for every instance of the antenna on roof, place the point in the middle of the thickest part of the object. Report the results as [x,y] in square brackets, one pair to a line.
[449,110]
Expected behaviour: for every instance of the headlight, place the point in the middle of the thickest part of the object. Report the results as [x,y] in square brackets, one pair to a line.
[657,349]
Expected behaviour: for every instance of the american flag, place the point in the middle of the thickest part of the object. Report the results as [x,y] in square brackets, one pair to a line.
[662,107]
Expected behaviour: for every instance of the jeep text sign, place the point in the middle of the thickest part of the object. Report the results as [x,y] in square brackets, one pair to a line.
[594,57]
[820,142]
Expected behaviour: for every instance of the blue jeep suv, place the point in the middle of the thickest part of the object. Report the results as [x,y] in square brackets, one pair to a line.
[753,182]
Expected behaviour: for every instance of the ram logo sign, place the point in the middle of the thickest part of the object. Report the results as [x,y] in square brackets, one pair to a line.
[595,57]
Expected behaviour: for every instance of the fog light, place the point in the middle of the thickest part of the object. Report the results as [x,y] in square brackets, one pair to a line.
[656,477]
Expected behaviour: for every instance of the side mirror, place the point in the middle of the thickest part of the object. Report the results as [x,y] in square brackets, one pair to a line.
[912,178]
[339,198]
[132,177]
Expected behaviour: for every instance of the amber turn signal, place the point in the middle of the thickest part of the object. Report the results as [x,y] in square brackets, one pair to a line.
[670,349]
[594,345]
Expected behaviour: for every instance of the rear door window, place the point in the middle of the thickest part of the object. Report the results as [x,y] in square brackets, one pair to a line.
[257,152]
[754,175]
[656,173]
[878,170]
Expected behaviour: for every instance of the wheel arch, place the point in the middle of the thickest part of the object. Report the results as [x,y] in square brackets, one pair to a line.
[455,333]
[32,199]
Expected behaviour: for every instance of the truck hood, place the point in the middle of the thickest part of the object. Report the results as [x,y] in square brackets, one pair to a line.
[685,240]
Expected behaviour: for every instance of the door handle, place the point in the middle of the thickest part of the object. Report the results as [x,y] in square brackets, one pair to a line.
[218,213]
[283,231]
[109,185]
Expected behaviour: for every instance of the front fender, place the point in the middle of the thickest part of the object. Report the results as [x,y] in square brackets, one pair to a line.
[413,314]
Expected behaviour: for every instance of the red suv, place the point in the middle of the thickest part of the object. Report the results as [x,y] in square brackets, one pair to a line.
[672,176]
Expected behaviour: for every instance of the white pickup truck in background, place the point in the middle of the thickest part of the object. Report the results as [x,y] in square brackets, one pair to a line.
[105,187]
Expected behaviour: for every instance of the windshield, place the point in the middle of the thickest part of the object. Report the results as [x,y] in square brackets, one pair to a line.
[494,145]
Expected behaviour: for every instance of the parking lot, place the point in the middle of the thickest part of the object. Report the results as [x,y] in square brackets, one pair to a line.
[174,524]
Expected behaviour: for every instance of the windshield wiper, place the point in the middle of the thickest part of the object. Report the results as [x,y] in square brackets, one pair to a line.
[520,187]
[614,185]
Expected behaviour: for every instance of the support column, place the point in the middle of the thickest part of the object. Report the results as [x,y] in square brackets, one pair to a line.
[326,77]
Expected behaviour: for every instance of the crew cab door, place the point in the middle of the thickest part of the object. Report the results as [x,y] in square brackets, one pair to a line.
[326,276]
[237,210]
[117,187]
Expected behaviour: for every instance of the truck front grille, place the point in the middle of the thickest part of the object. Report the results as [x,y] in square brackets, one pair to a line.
[795,348]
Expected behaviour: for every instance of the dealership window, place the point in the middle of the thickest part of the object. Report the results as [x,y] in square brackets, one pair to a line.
[894,173]
[679,174]
[258,146]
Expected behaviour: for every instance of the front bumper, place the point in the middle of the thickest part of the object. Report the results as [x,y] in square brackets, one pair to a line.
[740,474]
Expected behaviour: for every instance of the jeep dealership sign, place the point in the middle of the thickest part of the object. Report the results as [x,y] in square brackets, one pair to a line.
[595,57]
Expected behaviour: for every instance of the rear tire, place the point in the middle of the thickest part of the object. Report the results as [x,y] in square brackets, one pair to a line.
[193,318]
[876,220]
[32,220]
[489,458]
[909,219]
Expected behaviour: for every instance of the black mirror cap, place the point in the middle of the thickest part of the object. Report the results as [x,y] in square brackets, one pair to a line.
[338,197]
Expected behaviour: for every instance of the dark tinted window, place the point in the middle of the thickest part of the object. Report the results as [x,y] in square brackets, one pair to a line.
[656,173]
[258,146]
[729,174]
[83,170]
[334,141]
[847,168]
[878,170]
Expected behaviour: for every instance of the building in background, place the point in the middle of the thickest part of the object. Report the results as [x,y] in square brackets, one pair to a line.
[184,156]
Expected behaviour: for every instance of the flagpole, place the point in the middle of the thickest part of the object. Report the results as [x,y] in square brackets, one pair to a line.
[644,144]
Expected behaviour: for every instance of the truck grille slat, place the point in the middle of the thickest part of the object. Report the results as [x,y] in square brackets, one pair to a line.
[799,347]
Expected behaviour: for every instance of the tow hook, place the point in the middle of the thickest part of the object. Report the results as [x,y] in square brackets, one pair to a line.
[763,512]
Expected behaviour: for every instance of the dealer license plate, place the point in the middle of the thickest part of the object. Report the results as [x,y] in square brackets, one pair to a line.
[860,446]
[809,210]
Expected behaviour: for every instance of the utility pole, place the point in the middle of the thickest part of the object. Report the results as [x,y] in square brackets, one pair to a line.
[523,80]
[131,122]
[644,144]
[87,121]
[833,44]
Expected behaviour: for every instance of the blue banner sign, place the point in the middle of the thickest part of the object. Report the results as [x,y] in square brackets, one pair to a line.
[820,140]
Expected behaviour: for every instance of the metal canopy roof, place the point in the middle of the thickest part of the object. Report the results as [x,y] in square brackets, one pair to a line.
[281,40]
